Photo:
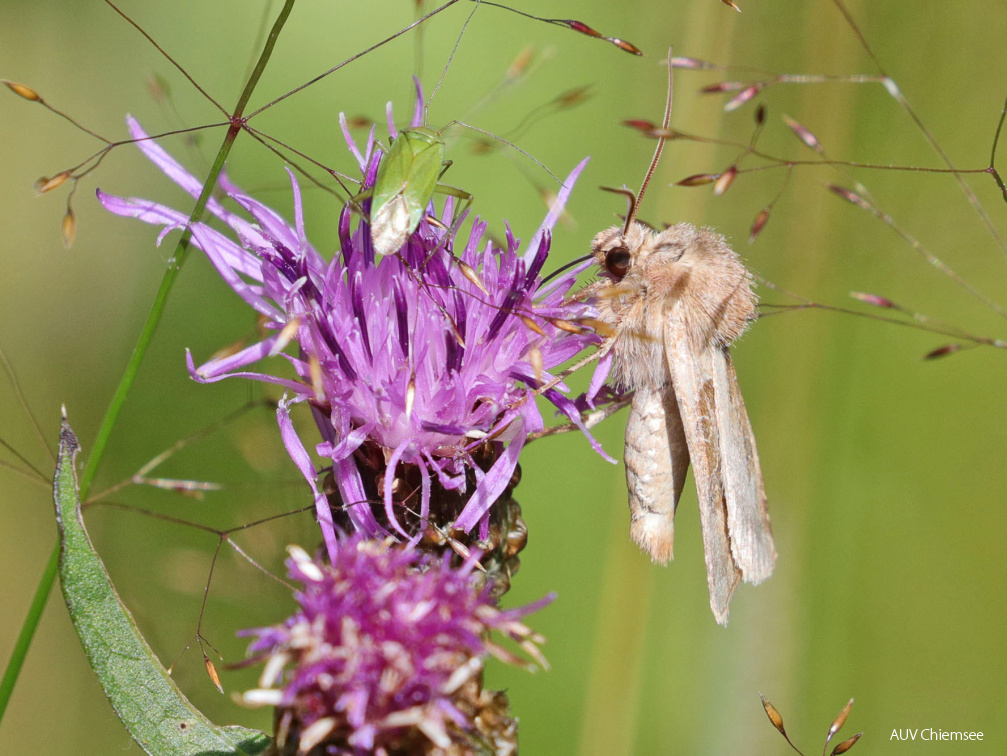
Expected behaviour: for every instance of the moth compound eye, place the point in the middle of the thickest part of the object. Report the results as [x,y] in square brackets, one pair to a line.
[617,262]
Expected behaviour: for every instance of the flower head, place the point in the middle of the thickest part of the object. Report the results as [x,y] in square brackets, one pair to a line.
[384,651]
[419,367]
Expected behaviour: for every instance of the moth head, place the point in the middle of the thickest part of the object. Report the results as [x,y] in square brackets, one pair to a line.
[617,251]
[617,261]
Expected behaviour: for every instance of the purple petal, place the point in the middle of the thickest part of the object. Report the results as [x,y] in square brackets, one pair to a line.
[350,141]
[417,119]
[294,386]
[351,491]
[173,169]
[555,210]
[599,377]
[392,131]
[349,444]
[296,450]
[569,408]
[391,464]
[493,483]
[246,356]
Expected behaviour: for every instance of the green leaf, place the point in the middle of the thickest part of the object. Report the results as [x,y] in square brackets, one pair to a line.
[156,713]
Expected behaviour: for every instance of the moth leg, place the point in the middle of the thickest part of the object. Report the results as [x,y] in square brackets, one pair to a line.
[657,459]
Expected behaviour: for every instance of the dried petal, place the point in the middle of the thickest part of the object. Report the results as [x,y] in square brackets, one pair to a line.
[573,97]
[873,299]
[261,321]
[839,721]
[455,332]
[483,146]
[315,733]
[521,62]
[773,714]
[605,330]
[580,26]
[758,224]
[286,335]
[469,272]
[942,351]
[725,180]
[22,91]
[68,228]
[850,196]
[698,179]
[535,358]
[892,87]
[742,97]
[640,124]
[158,88]
[624,45]
[262,697]
[565,325]
[846,745]
[532,325]
[692,64]
[410,396]
[804,134]
[724,86]
[230,350]
[359,122]
[211,670]
[317,378]
[43,184]
[462,675]
[663,134]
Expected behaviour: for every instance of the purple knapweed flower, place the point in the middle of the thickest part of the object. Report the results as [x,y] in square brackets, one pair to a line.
[385,654]
[419,367]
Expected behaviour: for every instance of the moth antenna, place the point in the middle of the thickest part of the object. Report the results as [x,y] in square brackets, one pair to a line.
[631,199]
[631,215]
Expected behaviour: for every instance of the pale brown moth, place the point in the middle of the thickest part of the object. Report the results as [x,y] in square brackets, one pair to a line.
[675,301]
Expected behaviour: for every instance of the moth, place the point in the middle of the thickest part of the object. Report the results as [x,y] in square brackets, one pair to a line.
[675,300]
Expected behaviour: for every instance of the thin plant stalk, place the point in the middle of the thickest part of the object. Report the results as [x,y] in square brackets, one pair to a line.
[175,263]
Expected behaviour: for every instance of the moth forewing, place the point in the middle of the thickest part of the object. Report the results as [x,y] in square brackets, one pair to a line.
[747,513]
[692,368]
[655,477]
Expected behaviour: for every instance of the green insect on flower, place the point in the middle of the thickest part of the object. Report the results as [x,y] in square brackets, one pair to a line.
[406,182]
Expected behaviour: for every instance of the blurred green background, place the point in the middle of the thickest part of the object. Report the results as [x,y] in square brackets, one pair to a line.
[885,474]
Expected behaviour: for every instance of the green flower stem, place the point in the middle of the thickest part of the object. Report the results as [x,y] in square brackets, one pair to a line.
[31,621]
[136,359]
